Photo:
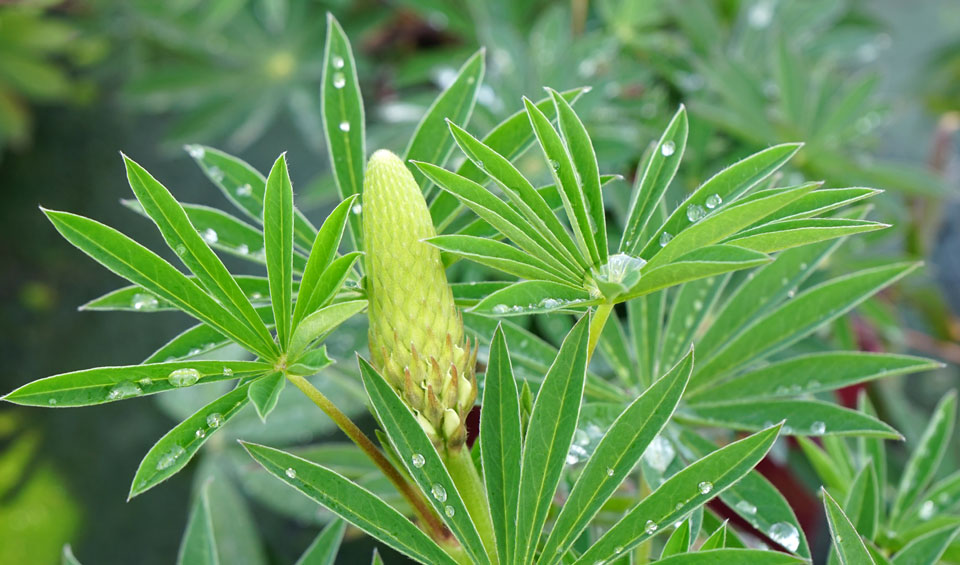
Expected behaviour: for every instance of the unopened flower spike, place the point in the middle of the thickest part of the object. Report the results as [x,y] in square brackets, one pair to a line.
[416,332]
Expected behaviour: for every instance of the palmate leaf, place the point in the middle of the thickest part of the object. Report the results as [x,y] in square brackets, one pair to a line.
[344,125]
[353,503]
[683,492]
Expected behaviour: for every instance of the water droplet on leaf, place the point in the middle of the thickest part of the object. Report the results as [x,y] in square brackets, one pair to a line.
[184,377]
[705,487]
[170,457]
[418,460]
[439,492]
[344,126]
[667,149]
[665,238]
[650,527]
[143,301]
[785,534]
[214,419]
[695,212]
[291,473]
[339,81]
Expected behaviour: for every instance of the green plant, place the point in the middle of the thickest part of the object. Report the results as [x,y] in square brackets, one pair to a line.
[497,502]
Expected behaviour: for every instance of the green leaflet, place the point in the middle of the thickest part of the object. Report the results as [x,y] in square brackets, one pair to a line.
[616,455]
[322,254]
[500,443]
[754,498]
[812,373]
[531,297]
[652,184]
[803,417]
[278,246]
[862,504]
[199,545]
[847,542]
[264,393]
[549,434]
[785,234]
[322,322]
[682,493]
[343,118]
[702,263]
[109,384]
[177,447]
[678,542]
[323,549]
[350,501]
[431,140]
[732,557]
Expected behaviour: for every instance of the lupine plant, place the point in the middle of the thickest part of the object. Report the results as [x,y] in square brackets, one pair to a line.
[702,314]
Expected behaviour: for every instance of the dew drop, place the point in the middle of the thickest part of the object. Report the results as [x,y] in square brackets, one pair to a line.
[227,372]
[214,419]
[337,61]
[123,390]
[698,305]
[554,164]
[357,209]
[210,235]
[618,550]
[418,460]
[200,433]
[786,535]
[181,249]
[818,428]
[243,249]
[746,507]
[665,238]
[439,492]
[143,301]
[216,174]
[609,471]
[244,190]
[339,81]
[667,149]
[549,303]
[291,473]
[449,511]
[650,527]
[705,487]
[344,126]
[927,510]
[196,151]
[170,457]
[52,402]
[184,377]
[713,201]
[695,212]
[501,309]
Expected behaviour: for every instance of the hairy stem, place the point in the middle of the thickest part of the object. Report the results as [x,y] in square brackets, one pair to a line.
[460,465]
[596,327]
[416,499]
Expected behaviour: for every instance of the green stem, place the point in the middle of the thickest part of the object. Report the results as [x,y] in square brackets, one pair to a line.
[596,327]
[420,506]
[460,465]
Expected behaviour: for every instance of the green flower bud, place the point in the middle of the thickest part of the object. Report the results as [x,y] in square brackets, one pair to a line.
[416,332]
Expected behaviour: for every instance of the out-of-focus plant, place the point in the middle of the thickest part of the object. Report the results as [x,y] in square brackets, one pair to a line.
[913,520]
[39,48]
[226,71]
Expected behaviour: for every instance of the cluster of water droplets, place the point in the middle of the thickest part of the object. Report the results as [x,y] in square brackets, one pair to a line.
[144,301]
[545,304]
